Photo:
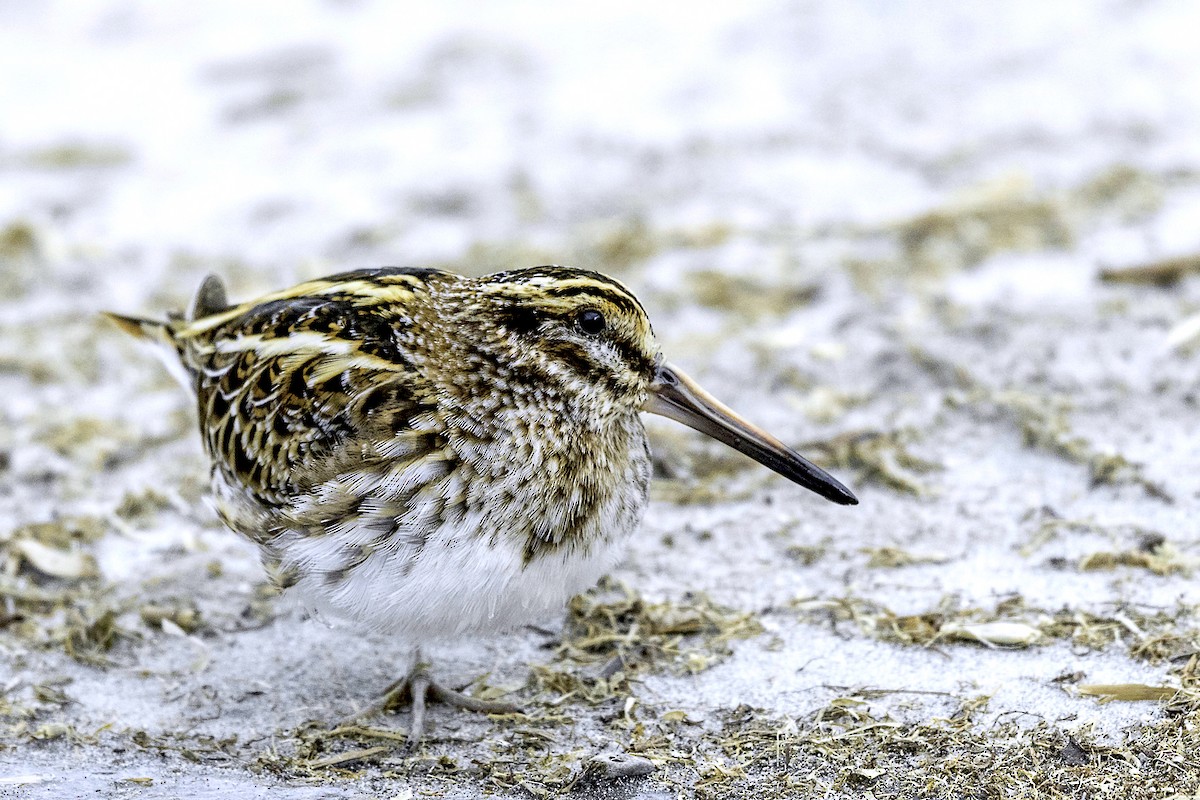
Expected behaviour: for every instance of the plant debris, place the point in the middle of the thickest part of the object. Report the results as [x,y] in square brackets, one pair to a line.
[1044,424]
[1127,692]
[1154,637]
[616,627]
[746,296]
[895,557]
[184,616]
[1164,272]
[847,750]
[1003,216]
[77,155]
[881,457]
[1161,559]
[51,561]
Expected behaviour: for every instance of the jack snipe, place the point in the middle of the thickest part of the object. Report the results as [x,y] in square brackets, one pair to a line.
[432,455]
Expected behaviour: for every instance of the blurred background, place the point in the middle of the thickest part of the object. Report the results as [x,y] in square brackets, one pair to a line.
[947,248]
[152,141]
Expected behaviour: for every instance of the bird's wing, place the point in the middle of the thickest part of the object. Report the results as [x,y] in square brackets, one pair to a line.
[307,396]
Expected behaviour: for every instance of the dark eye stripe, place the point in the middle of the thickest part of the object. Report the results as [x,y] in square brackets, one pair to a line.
[635,358]
[520,319]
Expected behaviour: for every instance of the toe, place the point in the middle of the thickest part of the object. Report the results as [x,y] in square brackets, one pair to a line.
[459,700]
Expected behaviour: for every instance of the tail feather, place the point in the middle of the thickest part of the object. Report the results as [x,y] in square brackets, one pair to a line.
[210,299]
[162,340]
[140,328]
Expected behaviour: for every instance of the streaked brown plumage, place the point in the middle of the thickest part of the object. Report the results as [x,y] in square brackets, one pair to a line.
[432,455]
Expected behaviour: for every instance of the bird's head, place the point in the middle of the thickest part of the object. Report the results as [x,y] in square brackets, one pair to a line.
[579,330]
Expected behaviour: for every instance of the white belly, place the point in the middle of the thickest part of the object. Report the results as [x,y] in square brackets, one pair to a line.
[455,586]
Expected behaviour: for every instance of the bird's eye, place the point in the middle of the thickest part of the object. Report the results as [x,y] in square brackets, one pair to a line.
[591,321]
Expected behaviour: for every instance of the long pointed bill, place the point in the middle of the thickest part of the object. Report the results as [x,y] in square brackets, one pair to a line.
[675,395]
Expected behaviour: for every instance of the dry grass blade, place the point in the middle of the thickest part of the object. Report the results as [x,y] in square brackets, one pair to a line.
[1165,272]
[349,757]
[1127,692]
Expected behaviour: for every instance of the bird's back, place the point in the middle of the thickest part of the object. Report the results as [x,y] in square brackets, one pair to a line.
[293,384]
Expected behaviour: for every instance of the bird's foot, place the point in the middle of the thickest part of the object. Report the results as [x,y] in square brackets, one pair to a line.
[420,688]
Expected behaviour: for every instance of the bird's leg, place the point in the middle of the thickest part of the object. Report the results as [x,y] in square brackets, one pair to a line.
[420,687]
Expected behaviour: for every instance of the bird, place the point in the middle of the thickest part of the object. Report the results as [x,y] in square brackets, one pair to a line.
[433,456]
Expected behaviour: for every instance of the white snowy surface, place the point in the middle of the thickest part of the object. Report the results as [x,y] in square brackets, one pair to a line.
[277,141]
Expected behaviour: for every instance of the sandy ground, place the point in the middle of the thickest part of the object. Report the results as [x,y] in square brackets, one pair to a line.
[880,229]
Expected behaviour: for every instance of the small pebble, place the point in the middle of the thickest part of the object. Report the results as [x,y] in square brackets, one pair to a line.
[619,765]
